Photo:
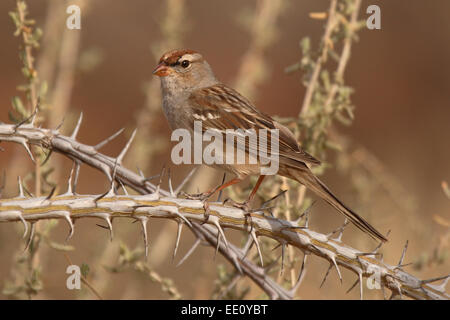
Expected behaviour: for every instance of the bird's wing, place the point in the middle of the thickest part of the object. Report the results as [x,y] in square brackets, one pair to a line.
[217,108]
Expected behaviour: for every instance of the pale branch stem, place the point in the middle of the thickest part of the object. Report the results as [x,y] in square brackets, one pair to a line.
[74,207]
[322,58]
[345,55]
[68,146]
[160,204]
[81,153]
[28,58]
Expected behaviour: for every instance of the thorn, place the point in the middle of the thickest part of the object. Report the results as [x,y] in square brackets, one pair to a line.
[436,279]
[31,237]
[142,206]
[152,177]
[306,215]
[143,220]
[25,226]
[177,242]
[183,218]
[47,157]
[31,117]
[333,259]
[60,124]
[186,179]
[300,275]
[21,194]
[69,191]
[106,170]
[302,269]
[123,187]
[191,250]
[276,247]
[326,275]
[381,243]
[339,230]
[170,183]
[255,240]
[27,148]
[77,127]
[77,173]
[149,178]
[109,222]
[107,140]
[442,286]
[71,226]
[101,196]
[221,191]
[404,265]
[158,187]
[220,230]
[125,149]
[403,254]
[260,209]
[52,192]
[112,190]
[353,285]
[28,192]
[273,198]
[36,109]
[140,173]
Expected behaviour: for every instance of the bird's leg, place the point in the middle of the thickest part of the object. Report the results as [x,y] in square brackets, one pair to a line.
[206,195]
[245,205]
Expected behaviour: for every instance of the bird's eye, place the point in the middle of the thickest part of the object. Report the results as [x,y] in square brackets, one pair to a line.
[185,63]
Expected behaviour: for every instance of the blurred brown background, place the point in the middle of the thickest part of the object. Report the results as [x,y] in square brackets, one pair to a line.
[401,77]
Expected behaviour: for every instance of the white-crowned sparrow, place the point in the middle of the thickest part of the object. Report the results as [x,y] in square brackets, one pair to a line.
[191,93]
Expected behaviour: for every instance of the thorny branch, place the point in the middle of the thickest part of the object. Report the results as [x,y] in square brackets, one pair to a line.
[156,202]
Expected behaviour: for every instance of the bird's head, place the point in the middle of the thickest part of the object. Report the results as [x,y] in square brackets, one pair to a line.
[184,69]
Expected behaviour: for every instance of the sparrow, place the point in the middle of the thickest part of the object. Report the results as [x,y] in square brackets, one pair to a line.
[191,92]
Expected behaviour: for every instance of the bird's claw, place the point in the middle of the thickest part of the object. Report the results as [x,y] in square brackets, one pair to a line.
[244,206]
[202,197]
[197,196]
[241,205]
[206,214]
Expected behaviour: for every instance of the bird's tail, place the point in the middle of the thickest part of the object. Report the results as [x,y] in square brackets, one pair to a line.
[310,181]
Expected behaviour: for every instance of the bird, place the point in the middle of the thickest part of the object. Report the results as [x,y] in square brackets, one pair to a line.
[191,92]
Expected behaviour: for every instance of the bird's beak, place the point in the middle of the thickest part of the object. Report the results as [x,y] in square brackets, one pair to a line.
[162,70]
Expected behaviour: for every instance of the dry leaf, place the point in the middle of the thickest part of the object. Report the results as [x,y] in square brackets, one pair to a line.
[440,220]
[318,15]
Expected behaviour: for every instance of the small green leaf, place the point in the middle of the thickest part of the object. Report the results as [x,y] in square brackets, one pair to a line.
[305,44]
[44,89]
[85,270]
[61,247]
[12,117]
[18,105]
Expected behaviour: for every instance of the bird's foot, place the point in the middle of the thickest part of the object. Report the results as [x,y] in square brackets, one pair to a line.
[203,196]
[244,206]
[241,205]
[206,214]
